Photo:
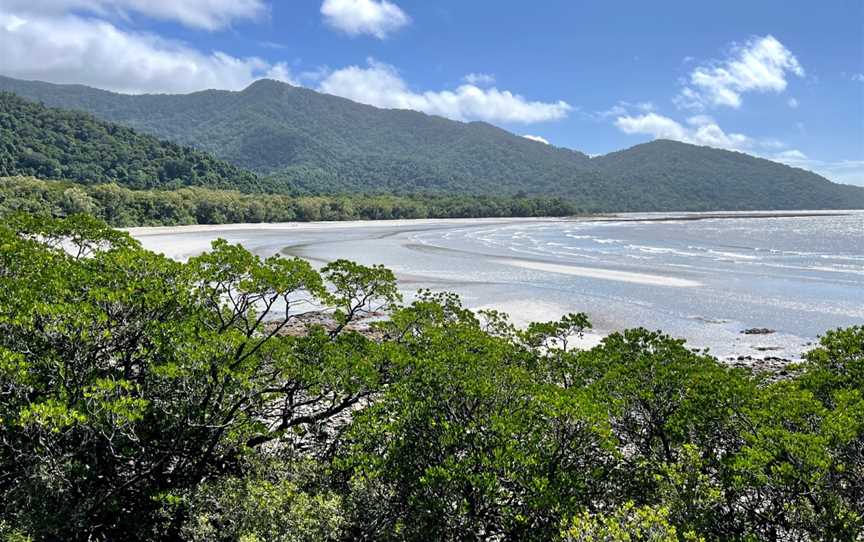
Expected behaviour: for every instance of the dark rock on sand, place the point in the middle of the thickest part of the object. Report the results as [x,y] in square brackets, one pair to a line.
[758,331]
[776,368]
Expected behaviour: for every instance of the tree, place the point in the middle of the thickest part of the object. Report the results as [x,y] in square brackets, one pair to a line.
[127,376]
[144,398]
[465,444]
[628,523]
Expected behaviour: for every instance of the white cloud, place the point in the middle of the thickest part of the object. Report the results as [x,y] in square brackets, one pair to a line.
[791,156]
[700,120]
[536,138]
[69,48]
[479,79]
[622,107]
[72,49]
[377,18]
[700,130]
[857,77]
[207,14]
[760,65]
[658,126]
[380,85]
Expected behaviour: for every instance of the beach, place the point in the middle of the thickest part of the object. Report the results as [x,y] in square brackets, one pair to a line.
[701,277]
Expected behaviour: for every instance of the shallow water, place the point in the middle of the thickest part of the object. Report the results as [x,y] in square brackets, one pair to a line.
[703,280]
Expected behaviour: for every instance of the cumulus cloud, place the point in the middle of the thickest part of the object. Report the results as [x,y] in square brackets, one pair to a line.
[792,157]
[71,49]
[479,79]
[655,125]
[698,130]
[377,18]
[536,138]
[206,14]
[760,65]
[381,85]
[622,107]
[857,77]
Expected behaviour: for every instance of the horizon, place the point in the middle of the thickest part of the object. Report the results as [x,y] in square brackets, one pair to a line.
[774,83]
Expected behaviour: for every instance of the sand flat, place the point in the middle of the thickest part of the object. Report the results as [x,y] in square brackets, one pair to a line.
[701,280]
[605,274]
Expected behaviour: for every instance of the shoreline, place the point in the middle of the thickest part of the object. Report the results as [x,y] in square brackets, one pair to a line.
[671,216]
[714,215]
[331,225]
[530,287]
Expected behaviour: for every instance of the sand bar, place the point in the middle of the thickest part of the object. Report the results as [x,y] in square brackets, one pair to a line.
[605,274]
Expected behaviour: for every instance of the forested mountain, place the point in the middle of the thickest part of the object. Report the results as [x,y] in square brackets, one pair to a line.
[56,144]
[321,143]
[304,142]
[694,177]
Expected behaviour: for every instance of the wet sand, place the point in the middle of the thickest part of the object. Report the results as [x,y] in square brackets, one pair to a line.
[708,301]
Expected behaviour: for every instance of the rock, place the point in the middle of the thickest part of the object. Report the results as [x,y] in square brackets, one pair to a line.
[299,325]
[758,331]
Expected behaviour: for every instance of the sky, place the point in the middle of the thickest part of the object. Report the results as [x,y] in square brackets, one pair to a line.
[778,79]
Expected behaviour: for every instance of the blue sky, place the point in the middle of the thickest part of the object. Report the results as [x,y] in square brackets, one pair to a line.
[783,80]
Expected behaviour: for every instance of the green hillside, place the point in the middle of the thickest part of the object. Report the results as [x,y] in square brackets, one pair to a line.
[304,142]
[56,144]
[706,178]
[317,142]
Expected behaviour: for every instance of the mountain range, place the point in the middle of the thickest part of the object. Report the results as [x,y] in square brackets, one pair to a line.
[299,141]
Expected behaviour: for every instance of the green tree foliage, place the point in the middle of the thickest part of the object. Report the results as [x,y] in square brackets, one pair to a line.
[626,524]
[682,176]
[502,454]
[268,504]
[127,376]
[305,142]
[55,144]
[147,399]
[121,206]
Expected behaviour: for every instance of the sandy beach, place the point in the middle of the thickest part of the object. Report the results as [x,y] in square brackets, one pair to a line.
[702,277]
[184,241]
